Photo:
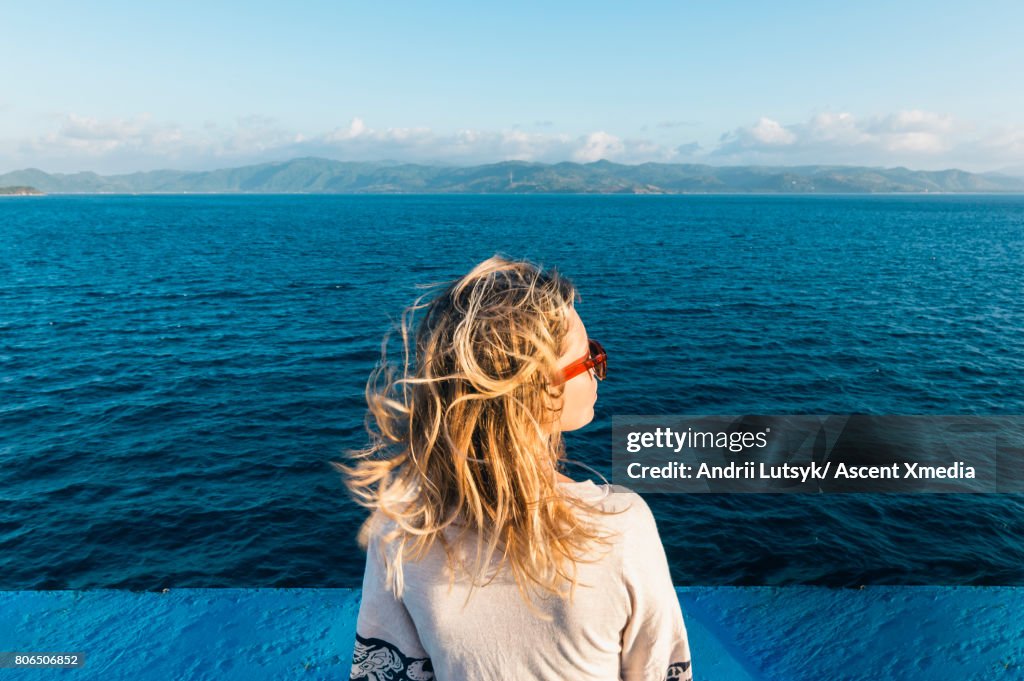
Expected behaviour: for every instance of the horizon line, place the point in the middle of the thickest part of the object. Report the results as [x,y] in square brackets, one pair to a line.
[391,162]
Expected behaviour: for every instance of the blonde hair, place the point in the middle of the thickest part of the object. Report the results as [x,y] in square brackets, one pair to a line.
[463,440]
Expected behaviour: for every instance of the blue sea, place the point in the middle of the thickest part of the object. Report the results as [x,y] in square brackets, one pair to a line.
[176,372]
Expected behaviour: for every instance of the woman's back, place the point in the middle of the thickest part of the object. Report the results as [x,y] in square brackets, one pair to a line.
[470,430]
[623,622]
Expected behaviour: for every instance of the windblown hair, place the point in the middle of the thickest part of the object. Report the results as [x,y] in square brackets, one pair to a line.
[464,439]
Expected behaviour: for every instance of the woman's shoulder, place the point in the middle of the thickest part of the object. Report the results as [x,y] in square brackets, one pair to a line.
[621,508]
[377,531]
[630,508]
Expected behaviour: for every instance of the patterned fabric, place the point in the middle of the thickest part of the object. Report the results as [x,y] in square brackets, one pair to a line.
[378,660]
[679,671]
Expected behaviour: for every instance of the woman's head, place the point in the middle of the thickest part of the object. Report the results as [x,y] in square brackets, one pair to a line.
[502,334]
[473,426]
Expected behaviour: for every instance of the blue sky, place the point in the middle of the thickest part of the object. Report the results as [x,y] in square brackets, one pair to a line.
[119,87]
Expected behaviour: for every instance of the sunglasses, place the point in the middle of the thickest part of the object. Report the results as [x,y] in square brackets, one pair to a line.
[596,359]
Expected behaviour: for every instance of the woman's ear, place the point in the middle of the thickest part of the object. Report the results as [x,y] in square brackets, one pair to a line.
[551,400]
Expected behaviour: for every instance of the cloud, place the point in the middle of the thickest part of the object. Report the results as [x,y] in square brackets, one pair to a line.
[914,138]
[912,121]
[95,136]
[921,139]
[771,133]
[142,143]
[597,146]
[689,150]
[354,129]
[1010,140]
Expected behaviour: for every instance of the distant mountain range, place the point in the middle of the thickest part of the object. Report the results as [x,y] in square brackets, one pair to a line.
[322,176]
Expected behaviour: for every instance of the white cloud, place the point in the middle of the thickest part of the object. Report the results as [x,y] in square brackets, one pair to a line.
[597,146]
[1010,140]
[835,128]
[141,143]
[913,138]
[770,132]
[95,136]
[916,141]
[912,121]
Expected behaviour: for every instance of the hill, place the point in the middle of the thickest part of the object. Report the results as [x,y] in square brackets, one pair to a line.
[322,176]
[19,191]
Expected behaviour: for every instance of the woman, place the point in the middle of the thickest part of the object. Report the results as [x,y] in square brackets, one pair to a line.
[462,480]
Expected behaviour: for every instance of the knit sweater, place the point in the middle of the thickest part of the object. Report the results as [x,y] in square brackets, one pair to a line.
[624,622]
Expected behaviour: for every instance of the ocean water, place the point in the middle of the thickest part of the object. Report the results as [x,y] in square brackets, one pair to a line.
[176,372]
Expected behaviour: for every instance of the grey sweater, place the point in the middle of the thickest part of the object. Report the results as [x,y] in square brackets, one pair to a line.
[623,623]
